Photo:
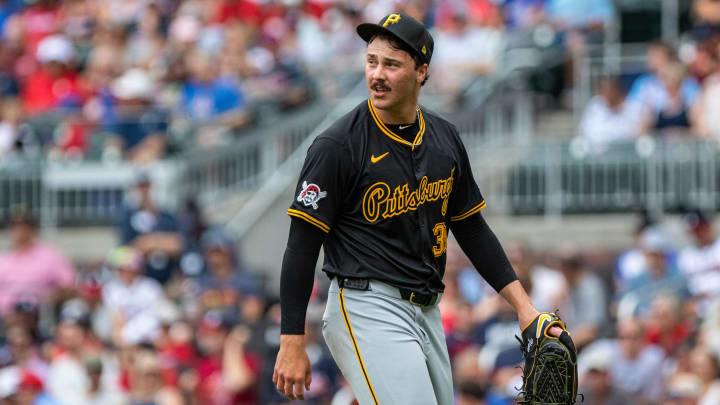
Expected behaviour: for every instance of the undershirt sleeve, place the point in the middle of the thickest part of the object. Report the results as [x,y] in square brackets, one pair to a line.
[483,249]
[297,274]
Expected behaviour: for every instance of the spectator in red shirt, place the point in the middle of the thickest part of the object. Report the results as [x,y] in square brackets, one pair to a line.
[38,21]
[226,371]
[148,385]
[55,84]
[667,327]
[247,12]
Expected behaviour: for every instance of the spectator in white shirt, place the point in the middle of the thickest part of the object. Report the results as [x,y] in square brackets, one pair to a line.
[465,51]
[701,262]
[608,117]
[131,298]
[69,380]
[636,367]
[708,111]
[705,365]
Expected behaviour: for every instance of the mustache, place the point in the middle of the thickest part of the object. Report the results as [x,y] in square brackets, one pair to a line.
[380,86]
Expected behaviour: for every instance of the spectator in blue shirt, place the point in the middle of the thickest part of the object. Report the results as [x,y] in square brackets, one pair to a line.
[661,276]
[663,97]
[209,98]
[153,232]
[138,127]
[580,14]
[226,286]
[7,9]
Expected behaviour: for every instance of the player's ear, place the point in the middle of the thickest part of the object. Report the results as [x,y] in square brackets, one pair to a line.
[421,73]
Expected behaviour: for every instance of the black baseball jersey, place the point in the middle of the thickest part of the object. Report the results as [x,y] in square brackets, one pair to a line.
[384,201]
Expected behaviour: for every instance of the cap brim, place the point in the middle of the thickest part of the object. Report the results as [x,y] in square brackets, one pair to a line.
[368,30]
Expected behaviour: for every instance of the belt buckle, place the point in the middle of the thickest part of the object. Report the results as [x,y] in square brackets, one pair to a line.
[362,284]
[412,300]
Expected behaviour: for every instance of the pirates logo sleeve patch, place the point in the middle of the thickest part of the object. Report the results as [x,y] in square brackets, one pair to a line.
[310,195]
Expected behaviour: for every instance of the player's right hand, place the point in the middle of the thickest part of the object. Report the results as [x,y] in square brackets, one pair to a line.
[292,367]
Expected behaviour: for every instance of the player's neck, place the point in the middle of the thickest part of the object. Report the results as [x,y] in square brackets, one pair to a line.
[404,114]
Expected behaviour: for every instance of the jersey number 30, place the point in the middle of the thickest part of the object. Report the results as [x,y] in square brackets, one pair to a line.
[440,232]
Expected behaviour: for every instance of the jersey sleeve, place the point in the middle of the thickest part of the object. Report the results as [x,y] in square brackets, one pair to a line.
[466,198]
[320,189]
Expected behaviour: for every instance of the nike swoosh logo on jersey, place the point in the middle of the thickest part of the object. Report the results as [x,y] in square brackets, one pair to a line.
[377,159]
[404,126]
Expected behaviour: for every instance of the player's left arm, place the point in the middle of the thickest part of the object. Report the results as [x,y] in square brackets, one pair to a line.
[483,249]
[479,242]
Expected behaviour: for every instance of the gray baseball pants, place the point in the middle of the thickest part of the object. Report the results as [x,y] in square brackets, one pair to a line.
[390,351]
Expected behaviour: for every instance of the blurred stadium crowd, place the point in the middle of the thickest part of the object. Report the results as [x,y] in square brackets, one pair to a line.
[139,79]
[173,316]
[676,97]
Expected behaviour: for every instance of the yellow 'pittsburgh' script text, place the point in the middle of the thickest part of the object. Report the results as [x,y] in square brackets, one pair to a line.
[379,201]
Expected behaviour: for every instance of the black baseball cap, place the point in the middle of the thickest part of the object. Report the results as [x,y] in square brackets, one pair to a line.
[405,28]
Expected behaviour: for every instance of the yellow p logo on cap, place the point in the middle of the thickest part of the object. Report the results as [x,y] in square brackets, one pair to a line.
[392,19]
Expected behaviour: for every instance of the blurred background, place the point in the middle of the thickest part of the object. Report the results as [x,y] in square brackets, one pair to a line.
[149,149]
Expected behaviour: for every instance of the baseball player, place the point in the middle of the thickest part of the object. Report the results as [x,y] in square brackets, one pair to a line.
[380,189]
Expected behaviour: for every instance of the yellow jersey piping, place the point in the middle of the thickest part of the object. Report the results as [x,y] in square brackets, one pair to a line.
[470,212]
[302,215]
[395,137]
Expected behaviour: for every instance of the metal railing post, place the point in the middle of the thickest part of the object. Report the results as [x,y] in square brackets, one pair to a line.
[522,111]
[553,182]
[670,21]
[583,85]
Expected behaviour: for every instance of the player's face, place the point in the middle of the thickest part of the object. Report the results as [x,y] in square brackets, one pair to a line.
[391,76]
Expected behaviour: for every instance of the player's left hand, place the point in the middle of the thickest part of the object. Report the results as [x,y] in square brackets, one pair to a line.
[555,331]
[524,319]
[550,369]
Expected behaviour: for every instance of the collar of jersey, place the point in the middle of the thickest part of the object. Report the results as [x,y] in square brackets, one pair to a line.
[395,137]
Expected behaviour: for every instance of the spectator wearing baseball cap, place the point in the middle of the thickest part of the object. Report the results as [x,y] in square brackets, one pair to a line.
[131,298]
[136,125]
[31,391]
[596,382]
[226,285]
[661,276]
[55,83]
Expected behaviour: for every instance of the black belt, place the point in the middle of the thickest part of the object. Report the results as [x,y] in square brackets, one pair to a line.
[414,297]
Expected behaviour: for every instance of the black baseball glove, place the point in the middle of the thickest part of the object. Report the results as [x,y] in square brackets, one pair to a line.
[550,370]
